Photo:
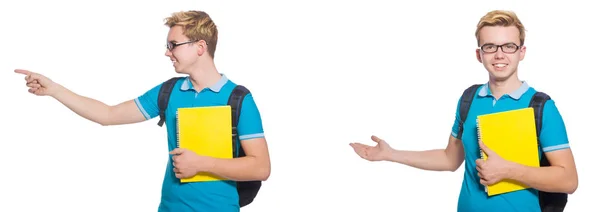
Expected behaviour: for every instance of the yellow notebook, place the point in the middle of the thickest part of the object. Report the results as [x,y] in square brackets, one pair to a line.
[512,135]
[206,131]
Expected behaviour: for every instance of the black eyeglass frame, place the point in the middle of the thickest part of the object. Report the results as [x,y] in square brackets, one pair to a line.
[503,46]
[171,44]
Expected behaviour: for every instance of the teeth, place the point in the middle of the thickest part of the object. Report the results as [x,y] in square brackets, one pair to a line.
[500,65]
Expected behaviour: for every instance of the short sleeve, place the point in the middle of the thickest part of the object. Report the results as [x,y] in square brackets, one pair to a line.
[553,135]
[148,102]
[250,122]
[456,120]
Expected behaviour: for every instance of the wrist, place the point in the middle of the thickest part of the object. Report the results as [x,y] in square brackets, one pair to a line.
[512,171]
[57,90]
[388,154]
[207,165]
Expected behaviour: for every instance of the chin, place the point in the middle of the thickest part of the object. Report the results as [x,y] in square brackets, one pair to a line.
[500,76]
[179,71]
[497,78]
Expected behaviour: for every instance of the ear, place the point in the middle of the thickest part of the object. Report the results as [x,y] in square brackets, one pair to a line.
[478,53]
[523,50]
[202,47]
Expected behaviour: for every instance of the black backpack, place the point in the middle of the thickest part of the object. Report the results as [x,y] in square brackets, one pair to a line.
[247,190]
[549,202]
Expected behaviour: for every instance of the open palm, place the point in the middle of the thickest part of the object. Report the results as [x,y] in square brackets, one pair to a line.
[372,153]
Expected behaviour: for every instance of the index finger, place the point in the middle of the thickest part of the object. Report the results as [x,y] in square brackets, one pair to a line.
[479,162]
[358,146]
[176,151]
[484,148]
[23,71]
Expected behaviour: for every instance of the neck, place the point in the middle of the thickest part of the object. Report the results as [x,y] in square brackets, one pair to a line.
[502,87]
[204,75]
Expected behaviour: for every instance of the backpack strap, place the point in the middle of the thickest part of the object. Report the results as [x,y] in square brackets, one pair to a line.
[163,98]
[235,102]
[465,105]
[537,103]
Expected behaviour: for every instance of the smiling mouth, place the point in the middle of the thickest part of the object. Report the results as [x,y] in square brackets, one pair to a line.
[500,65]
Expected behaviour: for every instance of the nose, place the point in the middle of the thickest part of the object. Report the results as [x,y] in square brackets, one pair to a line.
[168,53]
[499,54]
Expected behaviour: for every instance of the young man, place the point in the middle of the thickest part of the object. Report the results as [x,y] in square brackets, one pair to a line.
[500,37]
[191,44]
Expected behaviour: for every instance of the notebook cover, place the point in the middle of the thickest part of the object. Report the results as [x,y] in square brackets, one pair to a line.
[206,131]
[512,135]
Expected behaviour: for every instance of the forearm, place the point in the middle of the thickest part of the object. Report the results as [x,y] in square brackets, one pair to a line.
[85,107]
[548,179]
[246,168]
[433,160]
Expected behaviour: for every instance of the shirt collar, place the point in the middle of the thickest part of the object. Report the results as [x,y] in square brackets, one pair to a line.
[485,91]
[187,84]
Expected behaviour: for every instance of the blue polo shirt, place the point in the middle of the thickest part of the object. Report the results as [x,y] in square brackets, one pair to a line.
[216,196]
[553,137]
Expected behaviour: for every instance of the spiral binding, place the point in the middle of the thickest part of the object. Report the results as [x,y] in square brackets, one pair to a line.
[479,138]
[480,150]
[177,126]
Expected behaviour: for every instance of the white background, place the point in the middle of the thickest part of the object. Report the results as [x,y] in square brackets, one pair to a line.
[323,74]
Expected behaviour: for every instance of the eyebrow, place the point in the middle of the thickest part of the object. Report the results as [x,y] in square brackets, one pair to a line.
[499,44]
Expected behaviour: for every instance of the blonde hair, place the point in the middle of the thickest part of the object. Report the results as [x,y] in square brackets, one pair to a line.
[197,25]
[501,18]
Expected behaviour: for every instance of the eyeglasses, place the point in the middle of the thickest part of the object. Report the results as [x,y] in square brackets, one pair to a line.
[506,48]
[171,44]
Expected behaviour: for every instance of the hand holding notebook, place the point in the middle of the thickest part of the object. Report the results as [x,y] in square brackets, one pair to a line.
[187,163]
[493,169]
